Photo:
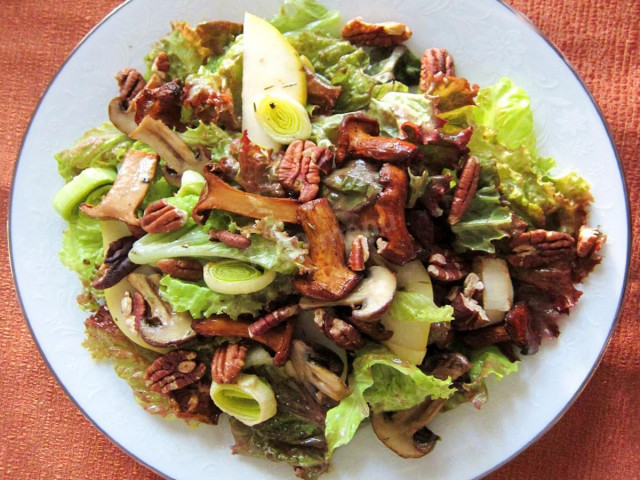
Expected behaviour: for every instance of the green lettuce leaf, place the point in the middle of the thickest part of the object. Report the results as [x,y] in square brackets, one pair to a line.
[385,383]
[229,67]
[506,109]
[417,187]
[485,220]
[394,64]
[307,15]
[103,146]
[418,307]
[200,301]
[352,187]
[324,129]
[396,108]
[209,136]
[485,362]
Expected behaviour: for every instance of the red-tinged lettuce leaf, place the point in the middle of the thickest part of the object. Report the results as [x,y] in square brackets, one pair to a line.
[295,435]
[257,168]
[105,341]
[555,280]
[450,93]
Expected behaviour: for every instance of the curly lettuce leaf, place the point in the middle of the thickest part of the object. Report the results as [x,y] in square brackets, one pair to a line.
[307,15]
[486,362]
[385,383]
[397,108]
[324,129]
[200,301]
[209,136]
[103,146]
[418,307]
[352,187]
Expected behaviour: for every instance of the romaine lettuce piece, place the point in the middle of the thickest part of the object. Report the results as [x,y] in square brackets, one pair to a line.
[209,136]
[103,146]
[418,307]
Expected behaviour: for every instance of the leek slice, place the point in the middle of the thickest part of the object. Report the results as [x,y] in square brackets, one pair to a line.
[191,183]
[76,191]
[234,277]
[283,118]
[249,399]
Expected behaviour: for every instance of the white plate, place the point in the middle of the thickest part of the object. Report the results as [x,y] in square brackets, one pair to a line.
[488,41]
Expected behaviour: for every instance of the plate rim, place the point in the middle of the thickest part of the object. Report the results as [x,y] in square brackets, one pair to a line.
[520,17]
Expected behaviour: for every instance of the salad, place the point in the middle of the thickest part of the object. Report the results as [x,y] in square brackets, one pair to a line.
[306,226]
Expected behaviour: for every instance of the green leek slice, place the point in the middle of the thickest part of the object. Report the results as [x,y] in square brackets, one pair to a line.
[283,118]
[234,277]
[249,399]
[76,191]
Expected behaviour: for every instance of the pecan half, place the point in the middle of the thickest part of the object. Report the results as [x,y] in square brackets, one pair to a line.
[540,247]
[228,360]
[300,168]
[160,217]
[445,266]
[486,336]
[184,268]
[396,243]
[359,253]
[194,403]
[383,34]
[465,190]
[161,65]
[375,330]
[235,240]
[116,264]
[173,371]
[343,334]
[131,83]
[273,319]
[433,61]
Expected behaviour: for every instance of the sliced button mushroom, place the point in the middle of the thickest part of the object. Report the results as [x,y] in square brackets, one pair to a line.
[369,301]
[162,327]
[304,366]
[405,432]
[128,191]
[330,278]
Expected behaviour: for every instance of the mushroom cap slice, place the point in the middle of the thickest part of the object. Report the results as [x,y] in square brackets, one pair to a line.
[168,327]
[369,300]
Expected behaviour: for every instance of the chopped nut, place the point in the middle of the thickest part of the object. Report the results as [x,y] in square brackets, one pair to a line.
[486,336]
[173,371]
[587,239]
[465,191]
[228,361]
[343,334]
[161,65]
[433,61]
[160,217]
[194,403]
[521,327]
[273,319]
[383,34]
[131,83]
[359,253]
[184,268]
[540,247]
[445,266]
[235,240]
[375,330]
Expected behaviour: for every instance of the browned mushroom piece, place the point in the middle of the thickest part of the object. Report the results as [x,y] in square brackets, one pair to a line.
[161,327]
[278,339]
[320,92]
[128,191]
[305,366]
[395,243]
[358,138]
[369,301]
[122,109]
[167,144]
[217,194]
[405,432]
[329,278]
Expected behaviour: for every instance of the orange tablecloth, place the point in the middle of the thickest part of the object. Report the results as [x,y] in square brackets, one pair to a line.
[42,433]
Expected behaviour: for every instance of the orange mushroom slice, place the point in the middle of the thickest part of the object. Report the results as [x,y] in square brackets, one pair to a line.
[358,137]
[329,277]
[277,339]
[128,191]
[217,194]
[395,243]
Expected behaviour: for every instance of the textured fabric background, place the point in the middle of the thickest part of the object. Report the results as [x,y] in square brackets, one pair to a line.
[42,433]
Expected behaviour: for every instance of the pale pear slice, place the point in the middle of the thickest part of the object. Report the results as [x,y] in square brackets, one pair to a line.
[270,66]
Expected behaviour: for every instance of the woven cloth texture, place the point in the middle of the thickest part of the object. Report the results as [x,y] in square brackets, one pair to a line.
[44,435]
